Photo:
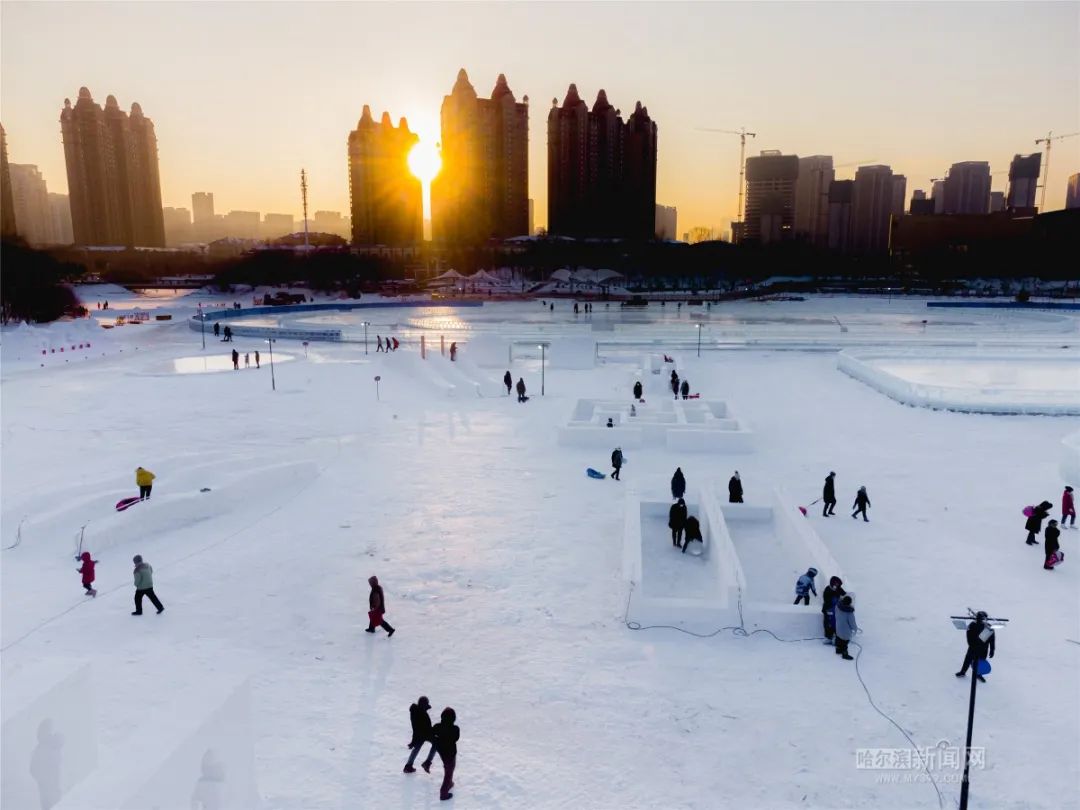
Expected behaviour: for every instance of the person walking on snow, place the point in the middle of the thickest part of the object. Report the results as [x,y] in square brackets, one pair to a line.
[677,521]
[521,389]
[1050,542]
[804,586]
[257,359]
[445,736]
[144,479]
[217,329]
[684,389]
[981,643]
[637,390]
[396,344]
[421,733]
[1034,523]
[734,489]
[453,352]
[87,571]
[508,381]
[862,500]
[678,484]
[828,495]
[846,626]
[377,608]
[675,384]
[378,344]
[830,597]
[144,585]
[247,359]
[616,463]
[693,532]
[235,360]
[1068,508]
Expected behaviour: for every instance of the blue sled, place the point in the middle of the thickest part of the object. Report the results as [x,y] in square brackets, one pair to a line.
[594,473]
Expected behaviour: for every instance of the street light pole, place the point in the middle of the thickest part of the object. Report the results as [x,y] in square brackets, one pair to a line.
[365,336]
[273,382]
[542,357]
[202,321]
[699,340]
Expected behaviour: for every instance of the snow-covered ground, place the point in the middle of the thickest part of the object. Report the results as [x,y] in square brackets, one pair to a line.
[502,565]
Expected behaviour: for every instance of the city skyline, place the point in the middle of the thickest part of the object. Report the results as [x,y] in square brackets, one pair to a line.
[827,81]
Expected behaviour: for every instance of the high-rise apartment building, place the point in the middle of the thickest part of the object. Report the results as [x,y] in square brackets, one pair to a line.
[275,225]
[112,168]
[331,222]
[967,188]
[202,206]
[667,221]
[840,196]
[872,198]
[242,224]
[937,196]
[7,202]
[386,198]
[482,190]
[33,214]
[816,174]
[1072,192]
[61,213]
[899,192]
[177,226]
[1023,180]
[920,205]
[770,197]
[997,201]
[532,221]
[601,170]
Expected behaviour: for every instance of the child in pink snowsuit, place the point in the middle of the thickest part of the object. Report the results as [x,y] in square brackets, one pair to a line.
[1068,509]
[87,572]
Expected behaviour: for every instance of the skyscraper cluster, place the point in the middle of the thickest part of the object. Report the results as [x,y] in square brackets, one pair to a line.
[601,170]
[7,202]
[387,203]
[112,170]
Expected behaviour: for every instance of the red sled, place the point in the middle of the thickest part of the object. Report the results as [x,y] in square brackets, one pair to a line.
[1055,559]
[126,503]
[693,396]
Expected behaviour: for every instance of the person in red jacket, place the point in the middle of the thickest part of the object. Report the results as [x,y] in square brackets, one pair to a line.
[87,572]
[377,608]
[1068,508]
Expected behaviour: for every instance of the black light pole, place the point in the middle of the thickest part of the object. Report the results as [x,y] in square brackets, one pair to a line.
[699,340]
[960,622]
[273,382]
[202,320]
[542,354]
[365,336]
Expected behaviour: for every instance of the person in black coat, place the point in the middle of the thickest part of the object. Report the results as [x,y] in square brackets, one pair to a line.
[1034,523]
[678,484]
[684,389]
[734,489]
[979,649]
[1050,539]
[637,390]
[675,385]
[693,532]
[421,733]
[862,500]
[521,389]
[830,596]
[616,463]
[217,329]
[446,736]
[508,381]
[828,495]
[677,521]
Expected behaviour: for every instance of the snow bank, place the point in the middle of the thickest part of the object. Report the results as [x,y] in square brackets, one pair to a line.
[48,739]
[572,352]
[199,755]
[862,365]
[489,351]
[1070,459]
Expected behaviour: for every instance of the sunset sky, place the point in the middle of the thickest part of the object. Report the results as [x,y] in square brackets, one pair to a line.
[245,94]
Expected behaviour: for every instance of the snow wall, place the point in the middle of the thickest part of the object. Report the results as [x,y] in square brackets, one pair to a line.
[572,352]
[489,351]
[49,741]
[970,400]
[1070,460]
[202,755]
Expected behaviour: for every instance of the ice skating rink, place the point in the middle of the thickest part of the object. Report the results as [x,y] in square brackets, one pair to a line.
[501,563]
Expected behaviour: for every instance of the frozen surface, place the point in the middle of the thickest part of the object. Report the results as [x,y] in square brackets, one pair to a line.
[501,563]
[1027,374]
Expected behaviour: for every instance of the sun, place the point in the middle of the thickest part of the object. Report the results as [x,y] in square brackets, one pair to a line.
[424,161]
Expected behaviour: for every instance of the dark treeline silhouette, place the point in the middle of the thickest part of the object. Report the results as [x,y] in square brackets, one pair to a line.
[35,285]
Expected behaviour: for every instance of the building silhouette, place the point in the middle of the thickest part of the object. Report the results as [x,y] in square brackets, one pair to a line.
[1072,192]
[332,222]
[872,199]
[967,188]
[816,174]
[667,222]
[7,202]
[275,225]
[770,197]
[61,213]
[112,169]
[481,192]
[920,204]
[601,170]
[997,202]
[899,192]
[202,207]
[937,196]
[386,199]
[178,228]
[1023,180]
[33,213]
[840,196]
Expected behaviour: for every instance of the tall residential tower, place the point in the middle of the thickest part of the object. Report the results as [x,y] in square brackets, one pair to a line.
[386,199]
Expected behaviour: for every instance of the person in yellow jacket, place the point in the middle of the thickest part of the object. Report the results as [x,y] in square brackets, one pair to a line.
[145,479]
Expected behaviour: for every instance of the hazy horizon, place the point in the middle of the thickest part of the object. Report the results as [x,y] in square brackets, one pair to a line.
[243,95]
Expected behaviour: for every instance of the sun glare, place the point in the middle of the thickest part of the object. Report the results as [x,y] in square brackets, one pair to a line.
[424,161]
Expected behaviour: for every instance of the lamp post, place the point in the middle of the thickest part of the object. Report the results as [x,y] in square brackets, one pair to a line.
[365,325]
[699,340]
[979,667]
[542,358]
[273,382]
[202,322]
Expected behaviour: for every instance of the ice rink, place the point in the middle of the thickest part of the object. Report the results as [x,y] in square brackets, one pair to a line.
[502,564]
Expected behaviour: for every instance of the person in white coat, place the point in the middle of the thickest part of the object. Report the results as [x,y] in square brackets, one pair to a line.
[846,627]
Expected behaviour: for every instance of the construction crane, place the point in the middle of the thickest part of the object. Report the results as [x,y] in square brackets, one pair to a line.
[855,163]
[743,135]
[1049,139]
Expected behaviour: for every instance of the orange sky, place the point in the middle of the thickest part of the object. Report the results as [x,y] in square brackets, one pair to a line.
[245,94]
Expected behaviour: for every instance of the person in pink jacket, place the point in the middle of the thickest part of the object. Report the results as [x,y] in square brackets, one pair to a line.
[1068,509]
